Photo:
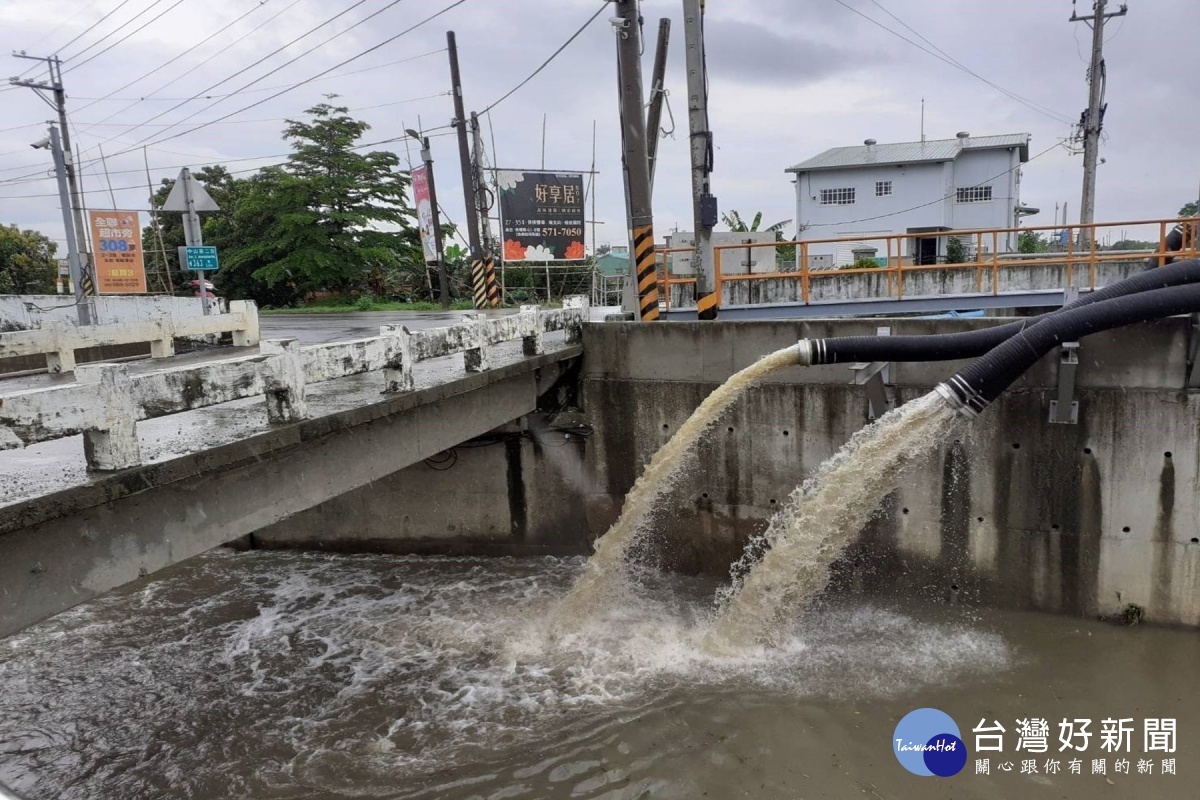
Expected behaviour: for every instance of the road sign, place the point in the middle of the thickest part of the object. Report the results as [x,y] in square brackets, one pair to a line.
[201,259]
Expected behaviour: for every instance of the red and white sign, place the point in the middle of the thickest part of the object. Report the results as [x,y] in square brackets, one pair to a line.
[420,183]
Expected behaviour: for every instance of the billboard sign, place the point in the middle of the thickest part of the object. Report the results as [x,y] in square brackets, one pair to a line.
[117,242]
[420,184]
[541,215]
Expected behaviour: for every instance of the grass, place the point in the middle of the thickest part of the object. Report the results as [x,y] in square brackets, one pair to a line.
[366,304]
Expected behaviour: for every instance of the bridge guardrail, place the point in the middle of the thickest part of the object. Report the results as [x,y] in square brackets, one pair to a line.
[983,259]
[58,341]
[105,402]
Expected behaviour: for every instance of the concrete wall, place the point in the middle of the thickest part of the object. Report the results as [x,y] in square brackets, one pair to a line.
[16,315]
[508,495]
[830,285]
[1015,511]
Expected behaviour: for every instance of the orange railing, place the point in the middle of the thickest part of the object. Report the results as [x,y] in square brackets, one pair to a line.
[1081,252]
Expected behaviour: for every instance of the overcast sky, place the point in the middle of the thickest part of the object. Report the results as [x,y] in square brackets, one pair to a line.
[789,78]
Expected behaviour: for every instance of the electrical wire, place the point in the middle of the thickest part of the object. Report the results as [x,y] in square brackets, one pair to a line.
[89,28]
[938,200]
[116,30]
[944,57]
[324,72]
[545,63]
[176,59]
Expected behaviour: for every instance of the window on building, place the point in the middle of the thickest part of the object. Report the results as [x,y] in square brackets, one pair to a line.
[974,194]
[883,188]
[837,197]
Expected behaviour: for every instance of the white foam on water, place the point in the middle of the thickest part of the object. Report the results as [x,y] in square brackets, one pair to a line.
[282,674]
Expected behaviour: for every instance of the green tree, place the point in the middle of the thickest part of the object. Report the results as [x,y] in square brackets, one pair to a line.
[734,221]
[1188,210]
[956,251]
[1133,244]
[26,262]
[334,219]
[1032,242]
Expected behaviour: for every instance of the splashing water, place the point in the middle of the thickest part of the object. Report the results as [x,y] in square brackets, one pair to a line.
[821,518]
[604,573]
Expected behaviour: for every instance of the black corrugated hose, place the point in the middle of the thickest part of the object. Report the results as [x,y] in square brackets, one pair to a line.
[971,344]
[982,381]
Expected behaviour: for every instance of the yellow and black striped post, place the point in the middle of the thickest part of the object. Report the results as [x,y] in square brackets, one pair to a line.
[489,277]
[647,272]
[706,306]
[478,284]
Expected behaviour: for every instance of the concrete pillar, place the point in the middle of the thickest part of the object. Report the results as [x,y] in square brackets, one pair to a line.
[112,443]
[247,336]
[62,359]
[164,345]
[531,331]
[283,383]
[398,371]
[475,358]
[575,328]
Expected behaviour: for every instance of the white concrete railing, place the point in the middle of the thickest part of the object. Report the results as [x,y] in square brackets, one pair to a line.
[106,401]
[58,341]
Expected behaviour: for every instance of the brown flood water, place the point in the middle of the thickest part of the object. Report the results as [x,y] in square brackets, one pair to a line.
[289,675]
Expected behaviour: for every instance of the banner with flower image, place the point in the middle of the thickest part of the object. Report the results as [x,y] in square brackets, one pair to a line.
[541,215]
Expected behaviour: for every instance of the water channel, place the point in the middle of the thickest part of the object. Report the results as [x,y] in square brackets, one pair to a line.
[303,675]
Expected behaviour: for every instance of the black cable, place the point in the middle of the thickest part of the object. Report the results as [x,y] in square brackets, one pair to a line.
[116,30]
[553,55]
[93,26]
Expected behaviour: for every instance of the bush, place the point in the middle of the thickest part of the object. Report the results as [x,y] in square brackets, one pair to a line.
[862,263]
[956,251]
[365,302]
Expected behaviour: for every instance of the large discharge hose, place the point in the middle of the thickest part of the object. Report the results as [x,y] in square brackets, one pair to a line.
[982,381]
[972,344]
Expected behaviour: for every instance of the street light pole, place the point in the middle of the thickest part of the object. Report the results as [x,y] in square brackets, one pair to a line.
[439,259]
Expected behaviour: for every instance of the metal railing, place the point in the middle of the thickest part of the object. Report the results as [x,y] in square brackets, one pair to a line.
[58,340]
[981,248]
[106,401]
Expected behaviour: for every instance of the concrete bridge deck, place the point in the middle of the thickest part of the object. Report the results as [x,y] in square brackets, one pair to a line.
[216,473]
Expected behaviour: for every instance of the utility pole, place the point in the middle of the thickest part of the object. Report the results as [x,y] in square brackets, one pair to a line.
[657,95]
[627,27]
[483,281]
[481,203]
[86,279]
[193,236]
[704,205]
[439,259]
[1093,117]
[82,305]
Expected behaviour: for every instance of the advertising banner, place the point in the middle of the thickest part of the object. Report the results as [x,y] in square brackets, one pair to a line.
[541,215]
[117,242]
[420,184]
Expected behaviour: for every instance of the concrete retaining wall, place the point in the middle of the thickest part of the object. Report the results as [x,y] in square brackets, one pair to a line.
[17,315]
[832,285]
[1086,518]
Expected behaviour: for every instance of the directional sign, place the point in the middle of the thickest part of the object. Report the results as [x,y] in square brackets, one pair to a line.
[201,259]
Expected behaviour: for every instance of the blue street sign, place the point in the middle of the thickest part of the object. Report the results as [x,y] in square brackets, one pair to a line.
[201,259]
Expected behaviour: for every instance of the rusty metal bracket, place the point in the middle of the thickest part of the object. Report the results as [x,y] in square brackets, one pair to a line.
[1065,410]
[874,377]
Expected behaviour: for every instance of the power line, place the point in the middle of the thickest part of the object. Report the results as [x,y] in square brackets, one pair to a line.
[944,57]
[134,101]
[340,64]
[89,28]
[932,202]
[116,30]
[553,55]
[177,58]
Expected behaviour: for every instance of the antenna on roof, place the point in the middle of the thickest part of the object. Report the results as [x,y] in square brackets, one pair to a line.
[922,120]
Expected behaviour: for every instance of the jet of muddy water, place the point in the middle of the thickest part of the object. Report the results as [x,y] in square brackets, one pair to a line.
[821,518]
[602,577]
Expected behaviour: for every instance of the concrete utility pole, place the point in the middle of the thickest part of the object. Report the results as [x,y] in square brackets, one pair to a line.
[657,95]
[439,258]
[627,27]
[483,282]
[192,234]
[86,279]
[1092,121]
[82,305]
[704,205]
[481,198]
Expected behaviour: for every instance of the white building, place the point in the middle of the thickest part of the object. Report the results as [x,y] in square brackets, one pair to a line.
[856,193]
